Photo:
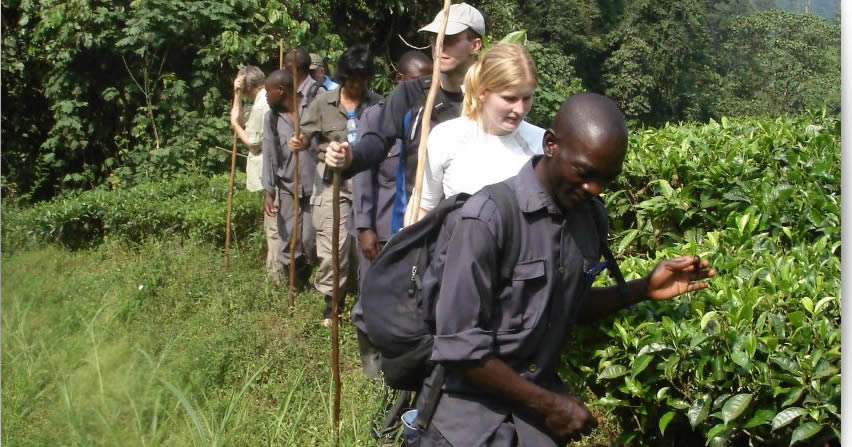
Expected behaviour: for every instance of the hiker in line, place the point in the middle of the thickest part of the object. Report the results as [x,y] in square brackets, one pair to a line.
[373,195]
[334,116]
[501,386]
[491,141]
[400,116]
[308,89]
[249,83]
[278,175]
[318,73]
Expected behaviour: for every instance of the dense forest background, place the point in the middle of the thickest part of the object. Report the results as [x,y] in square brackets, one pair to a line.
[107,94]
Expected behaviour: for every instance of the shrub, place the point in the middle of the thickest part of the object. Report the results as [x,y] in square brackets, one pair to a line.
[192,206]
[755,359]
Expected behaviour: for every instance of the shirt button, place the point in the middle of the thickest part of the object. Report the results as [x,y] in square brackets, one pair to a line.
[561,269]
[532,368]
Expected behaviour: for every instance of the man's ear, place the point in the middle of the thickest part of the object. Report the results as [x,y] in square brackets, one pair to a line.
[477,44]
[398,77]
[548,143]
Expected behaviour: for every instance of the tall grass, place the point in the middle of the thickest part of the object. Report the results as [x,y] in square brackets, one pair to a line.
[154,345]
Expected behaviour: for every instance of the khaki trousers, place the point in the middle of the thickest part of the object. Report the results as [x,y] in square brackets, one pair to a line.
[274,261]
[322,215]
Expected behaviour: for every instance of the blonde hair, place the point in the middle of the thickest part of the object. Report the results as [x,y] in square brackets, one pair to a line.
[503,66]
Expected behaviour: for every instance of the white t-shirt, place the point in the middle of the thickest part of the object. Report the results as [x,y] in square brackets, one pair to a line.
[254,129]
[463,158]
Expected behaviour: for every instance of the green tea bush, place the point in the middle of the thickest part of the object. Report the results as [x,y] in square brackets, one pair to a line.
[189,206]
[755,359]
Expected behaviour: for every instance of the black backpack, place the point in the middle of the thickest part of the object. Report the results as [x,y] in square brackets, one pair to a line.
[398,311]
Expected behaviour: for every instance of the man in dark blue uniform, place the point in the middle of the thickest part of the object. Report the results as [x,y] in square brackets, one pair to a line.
[501,386]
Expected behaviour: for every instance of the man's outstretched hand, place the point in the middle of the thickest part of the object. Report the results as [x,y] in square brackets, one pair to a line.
[677,276]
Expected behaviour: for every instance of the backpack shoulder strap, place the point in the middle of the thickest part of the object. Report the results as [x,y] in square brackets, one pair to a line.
[312,91]
[507,205]
[600,216]
[273,122]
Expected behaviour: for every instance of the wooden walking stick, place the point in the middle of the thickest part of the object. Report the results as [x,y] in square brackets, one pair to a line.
[335,292]
[413,211]
[297,195]
[230,202]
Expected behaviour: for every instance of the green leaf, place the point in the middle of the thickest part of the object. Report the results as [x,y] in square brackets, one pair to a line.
[641,363]
[516,37]
[653,347]
[705,320]
[796,318]
[786,417]
[626,239]
[612,372]
[697,340]
[793,397]
[808,304]
[661,393]
[742,221]
[824,369]
[610,401]
[760,417]
[678,404]
[805,431]
[735,406]
[720,400]
[715,431]
[822,303]
[666,188]
[665,420]
[699,411]
[740,358]
[785,363]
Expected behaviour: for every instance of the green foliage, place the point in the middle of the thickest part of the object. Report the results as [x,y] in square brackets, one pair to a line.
[555,82]
[756,356]
[125,93]
[691,60]
[189,206]
[780,62]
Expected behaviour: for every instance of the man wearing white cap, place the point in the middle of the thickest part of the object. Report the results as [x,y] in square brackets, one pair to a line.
[400,116]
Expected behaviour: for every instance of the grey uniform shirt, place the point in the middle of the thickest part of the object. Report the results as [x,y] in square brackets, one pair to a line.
[325,119]
[278,160]
[532,313]
[374,190]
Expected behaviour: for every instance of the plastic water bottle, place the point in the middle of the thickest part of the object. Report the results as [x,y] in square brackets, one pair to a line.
[351,128]
[351,135]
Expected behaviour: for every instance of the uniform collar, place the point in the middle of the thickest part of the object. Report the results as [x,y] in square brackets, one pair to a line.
[306,84]
[531,194]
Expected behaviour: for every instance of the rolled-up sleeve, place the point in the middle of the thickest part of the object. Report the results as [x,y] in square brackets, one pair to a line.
[470,276]
[365,183]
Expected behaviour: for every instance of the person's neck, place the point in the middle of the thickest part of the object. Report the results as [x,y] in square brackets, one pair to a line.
[493,130]
[349,95]
[452,81]
[540,169]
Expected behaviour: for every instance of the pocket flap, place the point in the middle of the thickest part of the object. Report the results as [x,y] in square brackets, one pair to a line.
[528,270]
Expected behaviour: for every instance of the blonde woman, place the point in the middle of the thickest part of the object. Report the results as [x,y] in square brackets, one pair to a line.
[490,141]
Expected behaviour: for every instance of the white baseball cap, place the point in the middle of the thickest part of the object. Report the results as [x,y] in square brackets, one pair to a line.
[462,16]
